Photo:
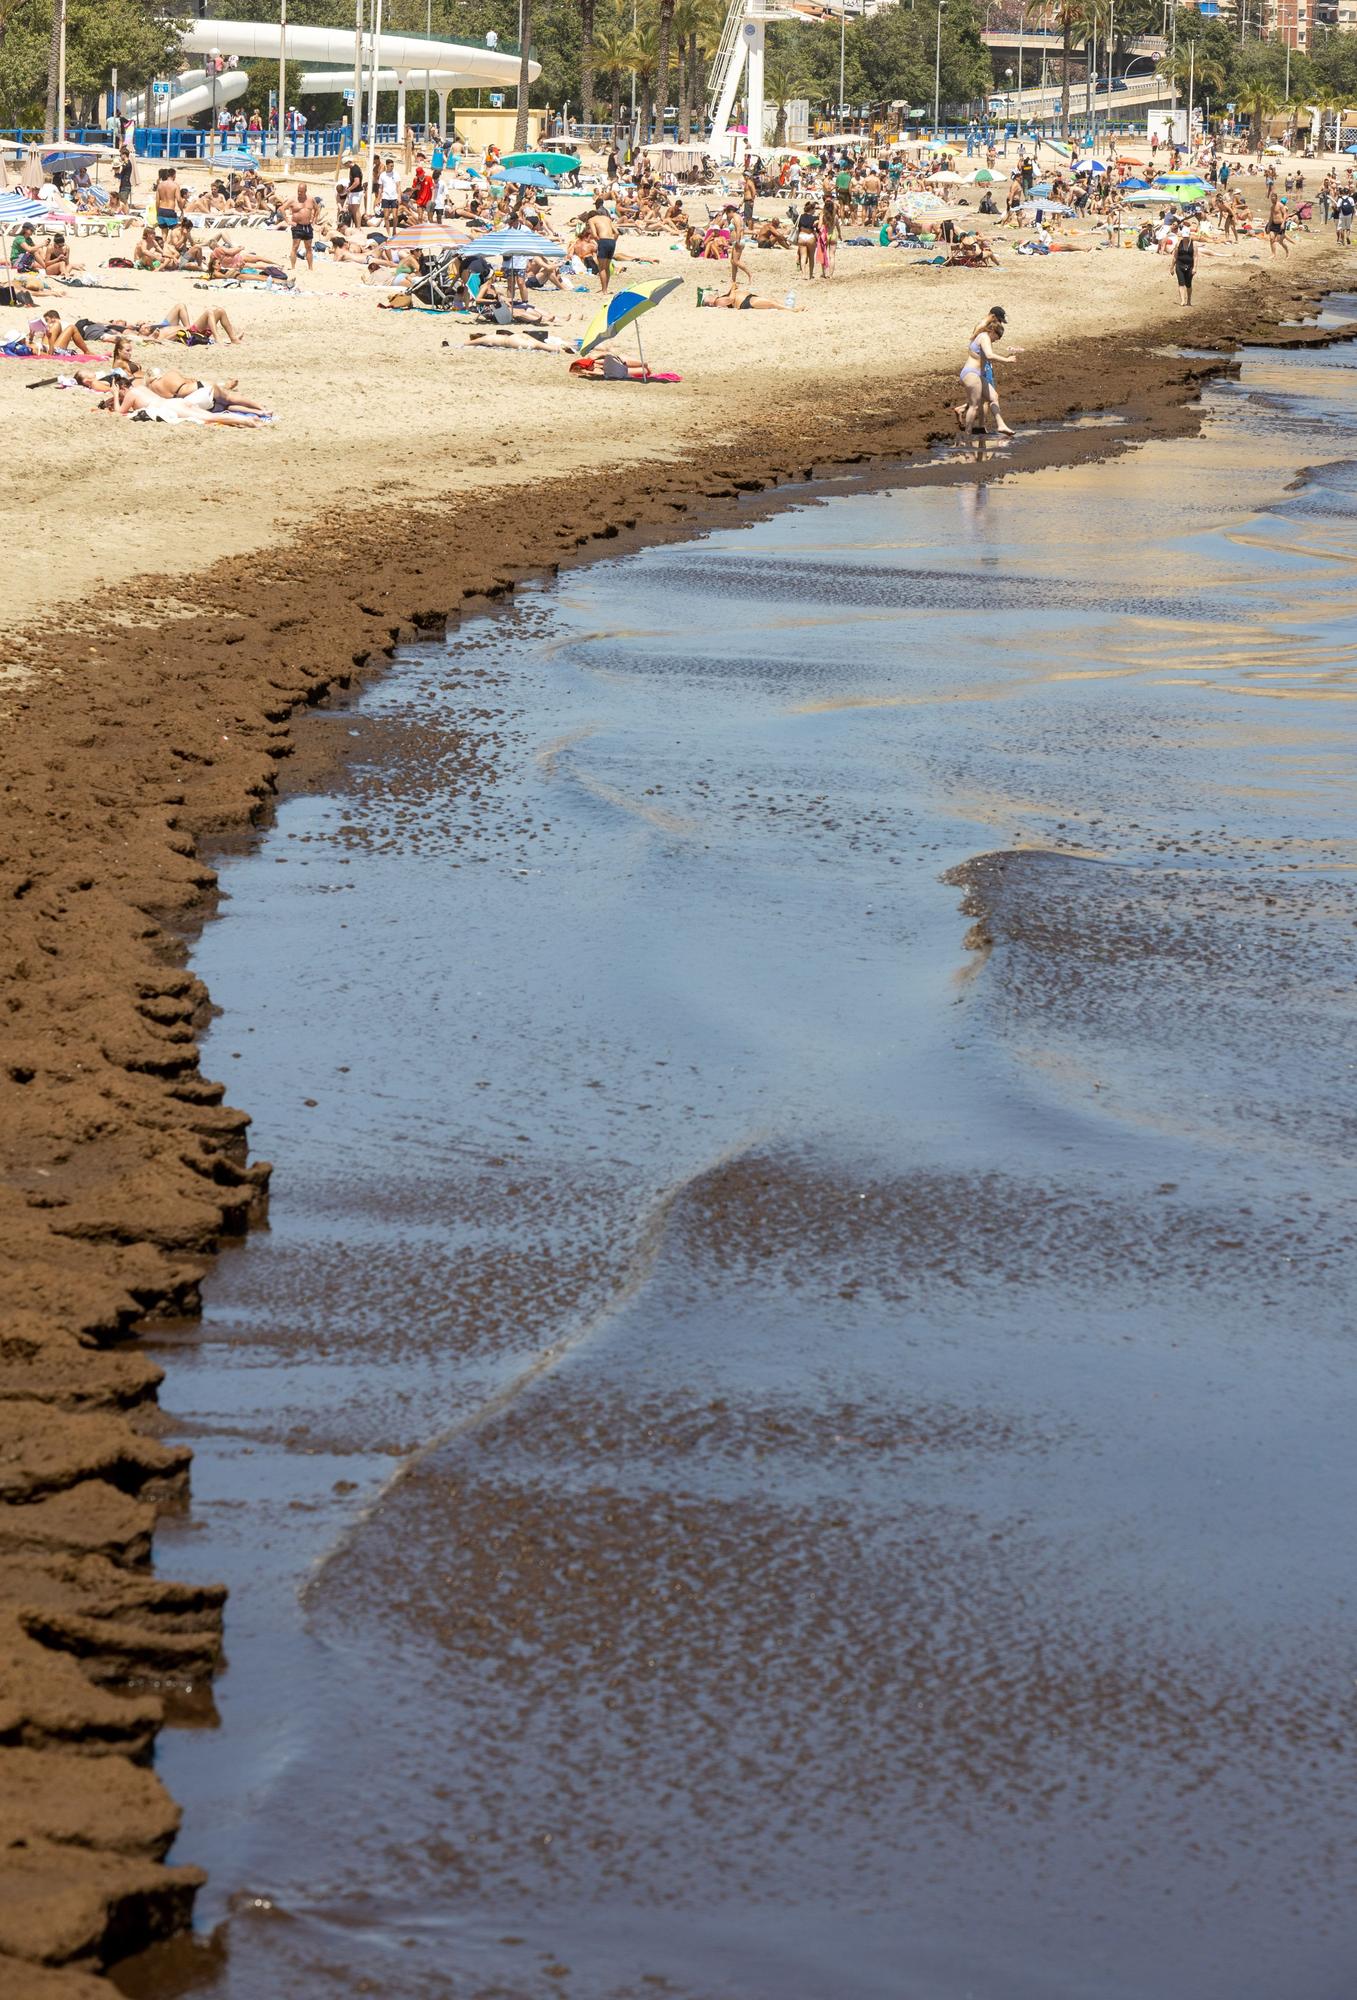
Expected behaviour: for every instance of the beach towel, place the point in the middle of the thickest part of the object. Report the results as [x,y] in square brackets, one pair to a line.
[612,368]
[20,350]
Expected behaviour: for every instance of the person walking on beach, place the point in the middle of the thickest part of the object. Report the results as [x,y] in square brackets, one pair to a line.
[1185,264]
[1276,223]
[977,375]
[1343,209]
[301,212]
[829,234]
[599,227]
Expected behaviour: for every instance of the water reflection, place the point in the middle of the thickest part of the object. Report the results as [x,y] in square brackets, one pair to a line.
[808,1474]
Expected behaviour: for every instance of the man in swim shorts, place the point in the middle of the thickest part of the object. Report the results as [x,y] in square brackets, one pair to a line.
[601,231]
[1276,223]
[166,198]
[301,213]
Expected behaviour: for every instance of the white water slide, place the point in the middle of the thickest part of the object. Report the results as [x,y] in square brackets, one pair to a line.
[190,98]
[412,59]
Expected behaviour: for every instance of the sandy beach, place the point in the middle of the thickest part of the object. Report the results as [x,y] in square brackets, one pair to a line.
[374,409]
[178,597]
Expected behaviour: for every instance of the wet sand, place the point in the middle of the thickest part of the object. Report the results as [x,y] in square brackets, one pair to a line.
[799,1444]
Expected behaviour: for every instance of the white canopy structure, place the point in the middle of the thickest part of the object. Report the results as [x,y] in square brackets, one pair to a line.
[409,58]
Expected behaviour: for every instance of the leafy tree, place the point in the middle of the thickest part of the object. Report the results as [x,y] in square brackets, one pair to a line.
[524,77]
[612,52]
[783,81]
[587,61]
[99,35]
[663,36]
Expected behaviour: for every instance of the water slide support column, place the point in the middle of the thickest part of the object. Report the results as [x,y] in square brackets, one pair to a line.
[401,83]
[357,75]
[374,52]
[725,104]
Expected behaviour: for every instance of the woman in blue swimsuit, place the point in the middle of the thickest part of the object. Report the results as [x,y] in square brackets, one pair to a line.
[977,375]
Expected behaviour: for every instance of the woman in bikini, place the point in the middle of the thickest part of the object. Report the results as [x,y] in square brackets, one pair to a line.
[807,230]
[177,388]
[735,301]
[829,234]
[977,374]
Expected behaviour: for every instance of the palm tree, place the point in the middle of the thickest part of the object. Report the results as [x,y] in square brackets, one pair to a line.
[685,23]
[662,40]
[1263,99]
[1073,18]
[586,62]
[704,41]
[782,81]
[643,59]
[612,53]
[49,123]
[1185,71]
[521,119]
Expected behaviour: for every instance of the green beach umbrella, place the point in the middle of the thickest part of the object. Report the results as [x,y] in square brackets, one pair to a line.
[550,163]
[984,174]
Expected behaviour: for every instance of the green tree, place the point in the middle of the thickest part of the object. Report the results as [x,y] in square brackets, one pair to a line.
[1073,18]
[664,29]
[643,61]
[524,79]
[783,80]
[612,53]
[587,61]
[100,34]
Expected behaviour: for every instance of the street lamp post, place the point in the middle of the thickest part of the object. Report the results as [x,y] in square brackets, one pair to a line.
[1008,105]
[937,70]
[843,30]
[1022,21]
[214,64]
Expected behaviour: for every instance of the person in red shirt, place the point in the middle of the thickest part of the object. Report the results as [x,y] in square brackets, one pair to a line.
[423,187]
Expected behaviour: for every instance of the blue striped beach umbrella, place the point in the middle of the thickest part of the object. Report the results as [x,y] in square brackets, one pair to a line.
[517,243]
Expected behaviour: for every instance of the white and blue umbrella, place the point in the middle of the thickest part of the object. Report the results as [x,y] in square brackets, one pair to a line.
[17,208]
[234,161]
[517,243]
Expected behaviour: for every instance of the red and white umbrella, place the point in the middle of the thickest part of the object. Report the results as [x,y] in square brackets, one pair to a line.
[432,236]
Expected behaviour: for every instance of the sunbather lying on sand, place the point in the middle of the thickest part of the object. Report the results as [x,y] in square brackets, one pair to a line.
[47,335]
[137,398]
[736,301]
[174,387]
[527,338]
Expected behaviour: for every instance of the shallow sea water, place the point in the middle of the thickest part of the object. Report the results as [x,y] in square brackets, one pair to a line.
[790,1431]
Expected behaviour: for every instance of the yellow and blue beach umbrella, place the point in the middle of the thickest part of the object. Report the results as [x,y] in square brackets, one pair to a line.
[623,308]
